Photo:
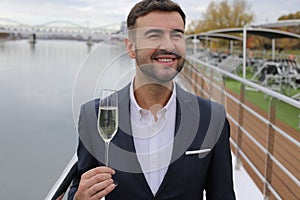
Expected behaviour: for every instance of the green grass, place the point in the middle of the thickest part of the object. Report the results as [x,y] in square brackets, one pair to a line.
[294,52]
[284,112]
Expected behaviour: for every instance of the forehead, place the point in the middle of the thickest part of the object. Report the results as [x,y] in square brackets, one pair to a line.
[168,20]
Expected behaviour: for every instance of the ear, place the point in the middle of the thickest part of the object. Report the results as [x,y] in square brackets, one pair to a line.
[129,44]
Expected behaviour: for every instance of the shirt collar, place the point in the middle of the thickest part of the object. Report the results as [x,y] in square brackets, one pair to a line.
[138,111]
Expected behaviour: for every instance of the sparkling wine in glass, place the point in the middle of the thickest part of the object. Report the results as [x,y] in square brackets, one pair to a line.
[108,117]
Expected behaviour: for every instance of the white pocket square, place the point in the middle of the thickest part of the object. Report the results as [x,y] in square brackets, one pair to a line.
[197,151]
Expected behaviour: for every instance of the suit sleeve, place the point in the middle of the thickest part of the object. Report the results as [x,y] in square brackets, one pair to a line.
[219,183]
[85,160]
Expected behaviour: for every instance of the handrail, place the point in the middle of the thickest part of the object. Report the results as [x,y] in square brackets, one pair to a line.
[274,95]
[256,171]
[61,178]
[284,134]
[263,149]
[251,84]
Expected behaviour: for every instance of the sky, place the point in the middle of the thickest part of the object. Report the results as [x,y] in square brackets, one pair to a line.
[95,13]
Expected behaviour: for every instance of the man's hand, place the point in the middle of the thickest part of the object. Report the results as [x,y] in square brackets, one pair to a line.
[95,184]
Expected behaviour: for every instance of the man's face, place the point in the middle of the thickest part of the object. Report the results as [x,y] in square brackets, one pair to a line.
[159,47]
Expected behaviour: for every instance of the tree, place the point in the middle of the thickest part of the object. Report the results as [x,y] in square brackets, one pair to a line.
[289,43]
[295,15]
[223,15]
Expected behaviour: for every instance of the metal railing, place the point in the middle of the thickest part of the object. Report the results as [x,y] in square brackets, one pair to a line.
[60,180]
[268,188]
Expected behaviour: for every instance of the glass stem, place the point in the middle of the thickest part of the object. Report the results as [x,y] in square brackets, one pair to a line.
[106,153]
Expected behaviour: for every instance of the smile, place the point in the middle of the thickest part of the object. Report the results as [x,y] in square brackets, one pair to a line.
[165,60]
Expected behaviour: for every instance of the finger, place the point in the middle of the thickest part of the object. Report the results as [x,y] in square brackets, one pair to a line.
[103,192]
[99,186]
[86,191]
[97,170]
[98,178]
[104,169]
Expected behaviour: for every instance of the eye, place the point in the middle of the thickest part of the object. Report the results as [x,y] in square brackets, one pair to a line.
[153,36]
[177,35]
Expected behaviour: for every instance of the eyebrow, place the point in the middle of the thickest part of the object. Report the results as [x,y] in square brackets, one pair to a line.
[178,30]
[161,31]
[153,31]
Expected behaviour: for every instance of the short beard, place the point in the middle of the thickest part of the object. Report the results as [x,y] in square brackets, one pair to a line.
[148,69]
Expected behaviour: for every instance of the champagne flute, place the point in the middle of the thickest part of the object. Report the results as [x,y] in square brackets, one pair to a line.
[108,117]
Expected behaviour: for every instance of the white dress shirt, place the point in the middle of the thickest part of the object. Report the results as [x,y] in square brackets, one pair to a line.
[153,140]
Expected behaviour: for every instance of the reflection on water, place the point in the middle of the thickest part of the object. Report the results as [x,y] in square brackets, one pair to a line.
[37,132]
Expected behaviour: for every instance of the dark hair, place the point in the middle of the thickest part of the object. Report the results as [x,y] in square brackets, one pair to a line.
[146,6]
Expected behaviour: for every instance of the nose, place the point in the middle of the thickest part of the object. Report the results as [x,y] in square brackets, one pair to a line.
[167,43]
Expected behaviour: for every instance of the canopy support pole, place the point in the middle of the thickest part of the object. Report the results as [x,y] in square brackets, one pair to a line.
[244,51]
[273,48]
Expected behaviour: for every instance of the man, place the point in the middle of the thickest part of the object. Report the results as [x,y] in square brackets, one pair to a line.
[170,144]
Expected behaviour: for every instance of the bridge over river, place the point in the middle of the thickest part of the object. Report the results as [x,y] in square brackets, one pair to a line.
[59,29]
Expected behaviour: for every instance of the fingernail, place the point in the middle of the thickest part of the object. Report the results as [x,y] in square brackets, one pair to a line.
[116,183]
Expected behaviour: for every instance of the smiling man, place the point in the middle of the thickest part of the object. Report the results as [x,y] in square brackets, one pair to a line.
[158,45]
[170,144]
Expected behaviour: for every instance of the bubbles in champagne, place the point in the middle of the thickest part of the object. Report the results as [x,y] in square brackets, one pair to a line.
[108,122]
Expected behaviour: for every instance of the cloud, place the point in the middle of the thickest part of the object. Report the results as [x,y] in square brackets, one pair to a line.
[97,13]
[270,11]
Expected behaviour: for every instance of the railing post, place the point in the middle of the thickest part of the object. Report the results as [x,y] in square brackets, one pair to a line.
[223,93]
[239,133]
[189,72]
[211,80]
[196,82]
[202,83]
[198,76]
[270,147]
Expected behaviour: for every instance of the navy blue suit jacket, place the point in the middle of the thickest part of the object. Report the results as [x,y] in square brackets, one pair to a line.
[200,124]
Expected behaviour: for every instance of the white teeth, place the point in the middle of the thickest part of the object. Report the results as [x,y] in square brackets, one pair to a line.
[165,60]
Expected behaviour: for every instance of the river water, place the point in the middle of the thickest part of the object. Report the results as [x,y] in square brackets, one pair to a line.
[41,89]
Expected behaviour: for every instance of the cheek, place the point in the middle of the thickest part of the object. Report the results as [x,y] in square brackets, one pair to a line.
[181,47]
[145,53]
[148,44]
